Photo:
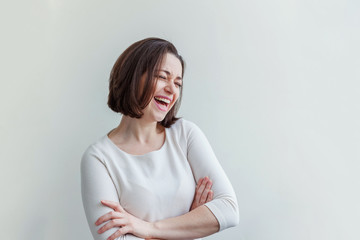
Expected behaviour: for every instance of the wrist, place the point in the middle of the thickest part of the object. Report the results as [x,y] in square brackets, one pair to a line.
[154,230]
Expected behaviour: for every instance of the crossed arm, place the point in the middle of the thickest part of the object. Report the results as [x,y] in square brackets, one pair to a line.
[199,222]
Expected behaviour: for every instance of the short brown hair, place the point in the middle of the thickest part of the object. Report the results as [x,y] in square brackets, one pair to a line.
[142,57]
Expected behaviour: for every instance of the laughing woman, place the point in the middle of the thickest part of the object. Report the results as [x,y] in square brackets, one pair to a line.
[154,176]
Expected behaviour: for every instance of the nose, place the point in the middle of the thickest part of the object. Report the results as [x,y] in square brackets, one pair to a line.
[170,87]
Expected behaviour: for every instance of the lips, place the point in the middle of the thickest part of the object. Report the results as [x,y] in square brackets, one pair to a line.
[162,102]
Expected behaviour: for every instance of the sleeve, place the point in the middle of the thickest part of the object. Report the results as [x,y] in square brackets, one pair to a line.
[97,185]
[204,163]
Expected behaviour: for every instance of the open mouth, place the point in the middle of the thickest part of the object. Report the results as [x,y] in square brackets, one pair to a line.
[163,101]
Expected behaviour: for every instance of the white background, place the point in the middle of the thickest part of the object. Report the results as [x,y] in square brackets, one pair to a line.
[273,84]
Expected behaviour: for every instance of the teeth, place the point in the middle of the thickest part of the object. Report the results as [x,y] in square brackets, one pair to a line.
[163,99]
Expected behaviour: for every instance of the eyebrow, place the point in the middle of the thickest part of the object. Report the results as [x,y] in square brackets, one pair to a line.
[168,73]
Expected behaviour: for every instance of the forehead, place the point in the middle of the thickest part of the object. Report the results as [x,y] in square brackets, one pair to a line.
[171,64]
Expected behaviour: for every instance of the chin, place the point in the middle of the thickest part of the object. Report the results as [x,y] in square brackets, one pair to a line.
[160,118]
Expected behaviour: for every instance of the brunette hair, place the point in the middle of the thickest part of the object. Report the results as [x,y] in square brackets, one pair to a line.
[127,93]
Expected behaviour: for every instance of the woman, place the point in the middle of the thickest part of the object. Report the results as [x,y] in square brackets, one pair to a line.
[139,180]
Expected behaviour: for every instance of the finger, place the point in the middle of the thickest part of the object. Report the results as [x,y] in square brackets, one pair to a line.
[110,224]
[114,205]
[199,183]
[210,196]
[205,192]
[115,235]
[107,217]
[118,233]
[200,190]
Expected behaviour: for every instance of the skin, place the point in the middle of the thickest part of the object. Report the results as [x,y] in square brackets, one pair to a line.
[139,136]
[203,193]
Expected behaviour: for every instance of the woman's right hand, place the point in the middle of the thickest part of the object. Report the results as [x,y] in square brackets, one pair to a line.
[126,222]
[203,193]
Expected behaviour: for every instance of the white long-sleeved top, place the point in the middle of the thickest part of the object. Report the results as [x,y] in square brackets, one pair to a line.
[157,185]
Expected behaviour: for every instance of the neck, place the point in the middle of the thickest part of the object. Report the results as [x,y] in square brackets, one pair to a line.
[137,129]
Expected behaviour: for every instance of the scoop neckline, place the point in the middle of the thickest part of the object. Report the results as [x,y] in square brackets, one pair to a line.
[140,155]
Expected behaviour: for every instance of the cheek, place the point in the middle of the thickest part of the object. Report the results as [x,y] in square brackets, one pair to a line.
[176,96]
[178,93]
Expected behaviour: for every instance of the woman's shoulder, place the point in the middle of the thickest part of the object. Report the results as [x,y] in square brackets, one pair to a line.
[96,149]
[184,128]
[182,124]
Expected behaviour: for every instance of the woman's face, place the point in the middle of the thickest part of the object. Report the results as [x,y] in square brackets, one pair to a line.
[167,88]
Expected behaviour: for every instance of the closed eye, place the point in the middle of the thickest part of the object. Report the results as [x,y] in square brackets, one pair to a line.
[161,76]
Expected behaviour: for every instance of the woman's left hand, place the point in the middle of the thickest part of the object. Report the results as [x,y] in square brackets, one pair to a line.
[127,222]
[203,193]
